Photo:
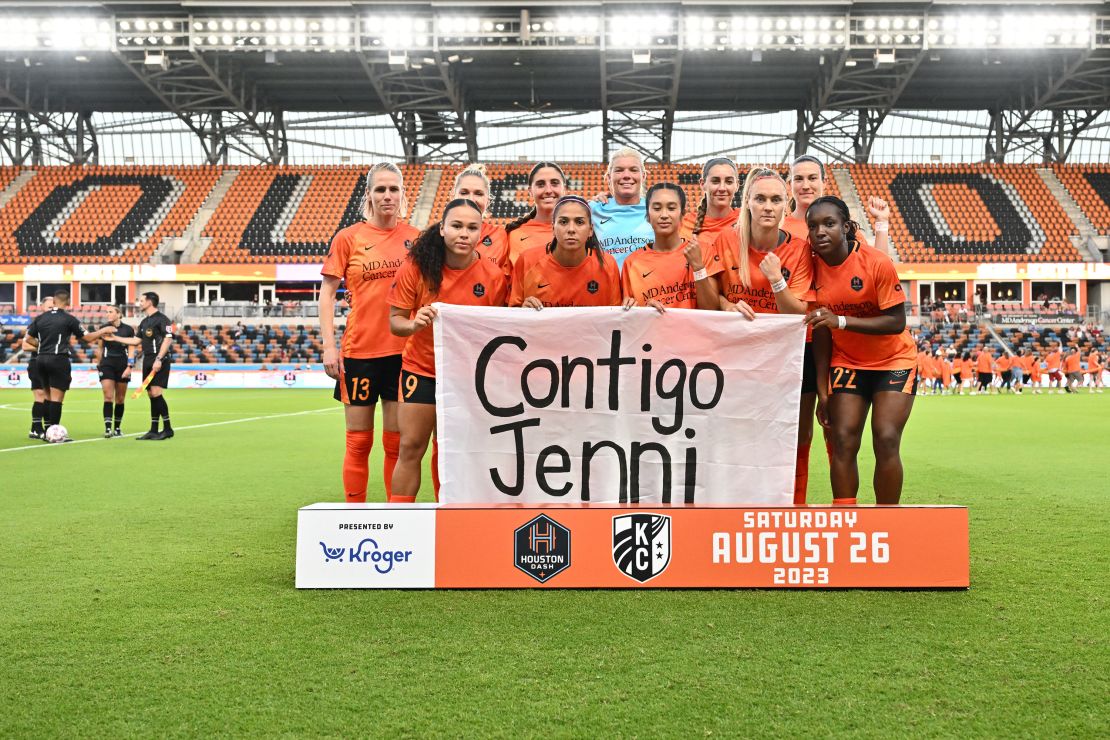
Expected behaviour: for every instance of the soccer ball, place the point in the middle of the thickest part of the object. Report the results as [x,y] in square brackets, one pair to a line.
[56,433]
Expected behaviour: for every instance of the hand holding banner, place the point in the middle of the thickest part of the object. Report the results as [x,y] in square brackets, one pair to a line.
[604,405]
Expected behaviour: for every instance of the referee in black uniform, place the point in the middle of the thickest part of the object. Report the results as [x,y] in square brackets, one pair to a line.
[50,333]
[155,336]
[114,370]
[38,409]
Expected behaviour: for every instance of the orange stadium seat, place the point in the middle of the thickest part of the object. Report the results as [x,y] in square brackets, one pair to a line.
[290,214]
[1089,185]
[970,213]
[101,213]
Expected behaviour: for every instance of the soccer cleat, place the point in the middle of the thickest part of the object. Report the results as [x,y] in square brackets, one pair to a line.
[117,433]
[165,434]
[36,435]
[149,435]
[107,434]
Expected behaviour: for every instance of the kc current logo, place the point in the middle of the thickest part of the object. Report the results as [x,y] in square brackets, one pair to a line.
[541,548]
[642,545]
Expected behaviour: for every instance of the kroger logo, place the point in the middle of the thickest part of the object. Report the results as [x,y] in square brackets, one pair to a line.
[367,551]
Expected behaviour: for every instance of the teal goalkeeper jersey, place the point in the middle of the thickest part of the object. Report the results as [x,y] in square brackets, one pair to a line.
[621,229]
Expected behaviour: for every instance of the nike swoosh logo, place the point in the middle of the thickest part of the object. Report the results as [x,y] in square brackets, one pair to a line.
[606,220]
[648,273]
[370,246]
[735,268]
[525,238]
[542,285]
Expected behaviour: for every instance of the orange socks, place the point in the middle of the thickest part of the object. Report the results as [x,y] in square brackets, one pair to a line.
[801,475]
[844,501]
[435,467]
[391,444]
[355,465]
[397,499]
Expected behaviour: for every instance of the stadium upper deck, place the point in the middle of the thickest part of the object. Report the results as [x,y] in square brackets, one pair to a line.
[952,213]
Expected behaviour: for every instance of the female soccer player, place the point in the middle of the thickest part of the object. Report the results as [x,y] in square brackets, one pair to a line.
[719,182]
[864,354]
[984,366]
[1002,368]
[572,270]
[957,376]
[546,184]
[807,184]
[367,255]
[764,269]
[1035,373]
[668,272]
[114,369]
[493,243]
[1094,370]
[444,265]
[619,221]
[1017,371]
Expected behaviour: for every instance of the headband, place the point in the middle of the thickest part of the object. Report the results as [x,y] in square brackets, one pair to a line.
[570,199]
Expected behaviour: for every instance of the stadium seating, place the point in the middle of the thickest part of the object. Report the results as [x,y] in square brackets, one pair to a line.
[1089,185]
[101,214]
[970,213]
[290,214]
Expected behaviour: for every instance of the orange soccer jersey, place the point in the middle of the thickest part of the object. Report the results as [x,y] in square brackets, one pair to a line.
[663,276]
[483,283]
[1004,363]
[1093,366]
[1052,362]
[984,363]
[864,285]
[537,273]
[1071,363]
[1026,362]
[711,228]
[367,258]
[1034,370]
[493,245]
[966,369]
[945,372]
[530,234]
[797,268]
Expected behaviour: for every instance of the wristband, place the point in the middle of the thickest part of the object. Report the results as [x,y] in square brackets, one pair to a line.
[881,227]
[778,286]
[700,274]
[842,322]
[159,359]
[130,363]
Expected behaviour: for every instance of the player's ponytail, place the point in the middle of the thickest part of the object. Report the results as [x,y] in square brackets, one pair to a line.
[429,250]
[744,223]
[533,211]
[699,217]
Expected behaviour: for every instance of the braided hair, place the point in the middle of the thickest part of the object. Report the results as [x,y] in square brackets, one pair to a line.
[531,214]
[592,244]
[429,251]
[850,226]
[703,204]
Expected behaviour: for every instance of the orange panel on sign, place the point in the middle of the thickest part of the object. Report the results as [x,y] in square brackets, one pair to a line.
[598,546]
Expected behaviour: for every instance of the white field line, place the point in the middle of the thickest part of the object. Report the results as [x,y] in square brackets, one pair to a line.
[42,445]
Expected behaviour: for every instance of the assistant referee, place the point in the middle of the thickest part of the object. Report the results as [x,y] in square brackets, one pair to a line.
[155,336]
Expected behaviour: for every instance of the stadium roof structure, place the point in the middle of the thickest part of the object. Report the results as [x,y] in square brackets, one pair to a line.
[230,70]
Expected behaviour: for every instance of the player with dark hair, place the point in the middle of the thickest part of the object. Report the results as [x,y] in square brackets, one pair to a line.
[863,351]
[1073,370]
[669,272]
[38,408]
[155,337]
[367,255]
[807,184]
[546,184]
[443,266]
[50,334]
[984,366]
[720,180]
[114,369]
[1094,370]
[573,270]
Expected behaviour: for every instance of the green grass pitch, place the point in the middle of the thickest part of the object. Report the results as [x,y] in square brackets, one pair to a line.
[146,589]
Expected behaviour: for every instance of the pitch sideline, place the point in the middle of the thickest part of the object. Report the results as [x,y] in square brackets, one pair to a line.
[191,426]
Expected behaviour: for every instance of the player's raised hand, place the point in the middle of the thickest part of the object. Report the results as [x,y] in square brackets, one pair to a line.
[532,302]
[692,252]
[771,267]
[878,209]
[602,197]
[423,318]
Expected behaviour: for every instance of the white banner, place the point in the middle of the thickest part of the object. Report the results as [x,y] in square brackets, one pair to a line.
[611,406]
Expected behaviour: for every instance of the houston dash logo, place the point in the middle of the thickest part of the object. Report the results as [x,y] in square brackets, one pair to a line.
[541,548]
[642,545]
